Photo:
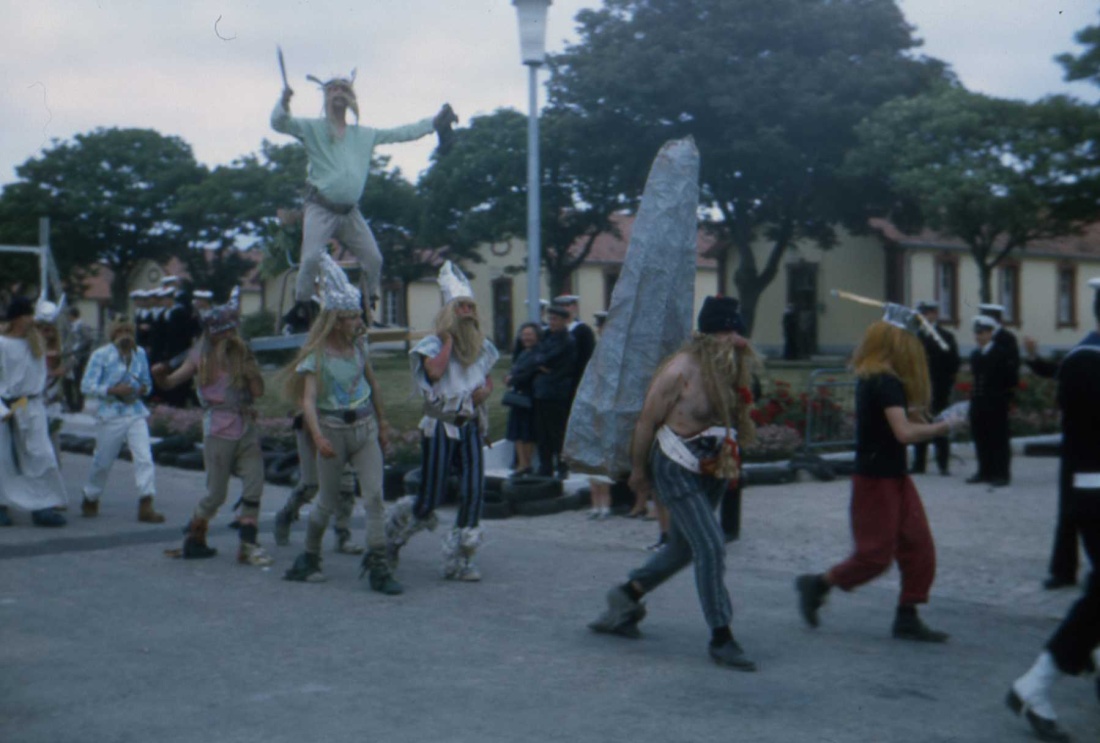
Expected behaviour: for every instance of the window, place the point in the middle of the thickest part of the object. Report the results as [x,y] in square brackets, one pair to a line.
[610,278]
[1008,293]
[391,307]
[947,288]
[1067,297]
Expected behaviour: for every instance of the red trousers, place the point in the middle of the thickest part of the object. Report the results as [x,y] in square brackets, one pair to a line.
[888,524]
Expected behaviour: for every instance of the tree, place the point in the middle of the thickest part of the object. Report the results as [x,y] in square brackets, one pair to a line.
[1086,65]
[770,90]
[234,207]
[996,174]
[108,194]
[477,192]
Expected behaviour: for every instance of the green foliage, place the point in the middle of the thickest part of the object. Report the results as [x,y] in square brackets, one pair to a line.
[996,174]
[477,192]
[769,89]
[1086,65]
[109,195]
[258,324]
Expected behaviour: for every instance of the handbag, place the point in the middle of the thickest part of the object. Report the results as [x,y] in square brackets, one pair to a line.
[515,399]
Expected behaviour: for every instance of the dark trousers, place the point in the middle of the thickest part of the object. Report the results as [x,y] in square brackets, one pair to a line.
[730,512]
[989,427]
[942,444]
[1079,633]
[70,388]
[1063,556]
[551,418]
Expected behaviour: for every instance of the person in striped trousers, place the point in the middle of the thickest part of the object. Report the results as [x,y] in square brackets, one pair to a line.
[685,449]
[450,369]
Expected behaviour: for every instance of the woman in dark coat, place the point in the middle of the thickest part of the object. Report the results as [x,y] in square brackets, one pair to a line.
[521,380]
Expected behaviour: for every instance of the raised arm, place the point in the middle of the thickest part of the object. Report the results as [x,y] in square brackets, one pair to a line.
[281,120]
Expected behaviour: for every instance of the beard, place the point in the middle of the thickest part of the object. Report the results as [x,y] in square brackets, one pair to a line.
[722,371]
[467,339]
[125,343]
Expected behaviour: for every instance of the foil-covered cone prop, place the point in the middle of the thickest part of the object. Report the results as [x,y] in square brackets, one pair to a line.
[222,317]
[650,316]
[453,283]
[337,293]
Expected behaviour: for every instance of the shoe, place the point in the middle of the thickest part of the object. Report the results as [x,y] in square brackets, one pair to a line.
[89,509]
[1043,727]
[381,577]
[621,616]
[1000,482]
[194,544]
[910,627]
[250,553]
[5,517]
[659,544]
[283,520]
[730,655]
[812,590]
[306,569]
[593,514]
[344,545]
[48,517]
[146,514]
[1053,583]
[637,514]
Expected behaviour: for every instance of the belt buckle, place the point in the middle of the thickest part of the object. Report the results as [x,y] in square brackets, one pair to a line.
[350,416]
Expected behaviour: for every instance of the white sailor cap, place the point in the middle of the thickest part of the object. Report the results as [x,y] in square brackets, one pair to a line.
[991,310]
[136,294]
[927,305]
[1095,283]
[202,294]
[984,322]
[169,280]
[544,303]
[566,299]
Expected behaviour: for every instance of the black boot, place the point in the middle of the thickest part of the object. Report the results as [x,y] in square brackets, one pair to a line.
[194,544]
[812,590]
[306,569]
[381,577]
[908,626]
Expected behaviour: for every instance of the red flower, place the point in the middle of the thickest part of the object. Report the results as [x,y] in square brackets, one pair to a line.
[745,394]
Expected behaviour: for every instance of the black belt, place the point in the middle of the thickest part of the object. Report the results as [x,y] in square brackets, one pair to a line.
[314,196]
[348,416]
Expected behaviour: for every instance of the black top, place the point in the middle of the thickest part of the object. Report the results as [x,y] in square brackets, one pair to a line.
[1079,398]
[878,452]
[555,355]
[585,341]
[943,365]
[1006,340]
[995,372]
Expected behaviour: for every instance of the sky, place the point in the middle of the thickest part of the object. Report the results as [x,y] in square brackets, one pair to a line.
[206,71]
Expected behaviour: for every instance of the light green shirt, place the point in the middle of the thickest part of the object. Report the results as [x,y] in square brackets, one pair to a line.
[341,384]
[338,167]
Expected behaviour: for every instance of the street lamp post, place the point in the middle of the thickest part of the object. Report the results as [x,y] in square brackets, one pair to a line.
[532,47]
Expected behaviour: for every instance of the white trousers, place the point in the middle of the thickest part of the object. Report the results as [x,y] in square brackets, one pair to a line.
[319,226]
[110,434]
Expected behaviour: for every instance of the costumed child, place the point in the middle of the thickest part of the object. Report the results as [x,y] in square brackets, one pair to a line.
[333,382]
[888,519]
[229,380]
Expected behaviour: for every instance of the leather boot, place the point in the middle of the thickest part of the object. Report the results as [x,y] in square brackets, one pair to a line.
[146,514]
[194,544]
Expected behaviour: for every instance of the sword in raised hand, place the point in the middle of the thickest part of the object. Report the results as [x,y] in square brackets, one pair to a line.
[282,68]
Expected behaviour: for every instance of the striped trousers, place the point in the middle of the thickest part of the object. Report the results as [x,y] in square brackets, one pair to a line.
[439,454]
[693,536]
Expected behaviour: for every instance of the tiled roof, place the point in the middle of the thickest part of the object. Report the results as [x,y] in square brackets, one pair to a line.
[611,250]
[1085,245]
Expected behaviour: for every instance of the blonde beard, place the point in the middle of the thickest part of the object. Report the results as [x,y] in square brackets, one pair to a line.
[468,340]
[724,371]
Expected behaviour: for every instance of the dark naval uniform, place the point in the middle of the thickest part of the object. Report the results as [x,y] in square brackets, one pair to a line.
[996,375]
[1079,399]
[584,341]
[943,367]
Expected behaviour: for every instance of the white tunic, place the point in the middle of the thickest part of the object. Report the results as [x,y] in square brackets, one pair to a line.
[30,478]
[453,392]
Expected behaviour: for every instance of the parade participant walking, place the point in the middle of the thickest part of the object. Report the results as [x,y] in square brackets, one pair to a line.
[1070,649]
[229,380]
[339,162]
[943,367]
[30,478]
[333,382]
[450,369]
[995,375]
[888,519]
[118,378]
[685,449]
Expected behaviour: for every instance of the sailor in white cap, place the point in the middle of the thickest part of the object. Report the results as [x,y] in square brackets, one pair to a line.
[583,336]
[202,300]
[1071,649]
[995,376]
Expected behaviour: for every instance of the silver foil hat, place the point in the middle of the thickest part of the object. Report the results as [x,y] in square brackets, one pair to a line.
[222,317]
[337,293]
[902,317]
[453,283]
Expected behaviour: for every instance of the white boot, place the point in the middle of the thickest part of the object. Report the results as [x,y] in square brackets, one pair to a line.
[452,555]
[470,541]
[1033,688]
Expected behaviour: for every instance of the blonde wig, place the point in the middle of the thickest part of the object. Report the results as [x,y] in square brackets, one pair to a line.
[887,349]
[465,331]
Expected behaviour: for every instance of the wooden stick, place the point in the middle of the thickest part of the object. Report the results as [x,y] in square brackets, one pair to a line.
[868,301]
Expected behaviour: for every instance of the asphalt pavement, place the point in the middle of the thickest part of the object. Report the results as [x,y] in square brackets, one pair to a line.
[104,639]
